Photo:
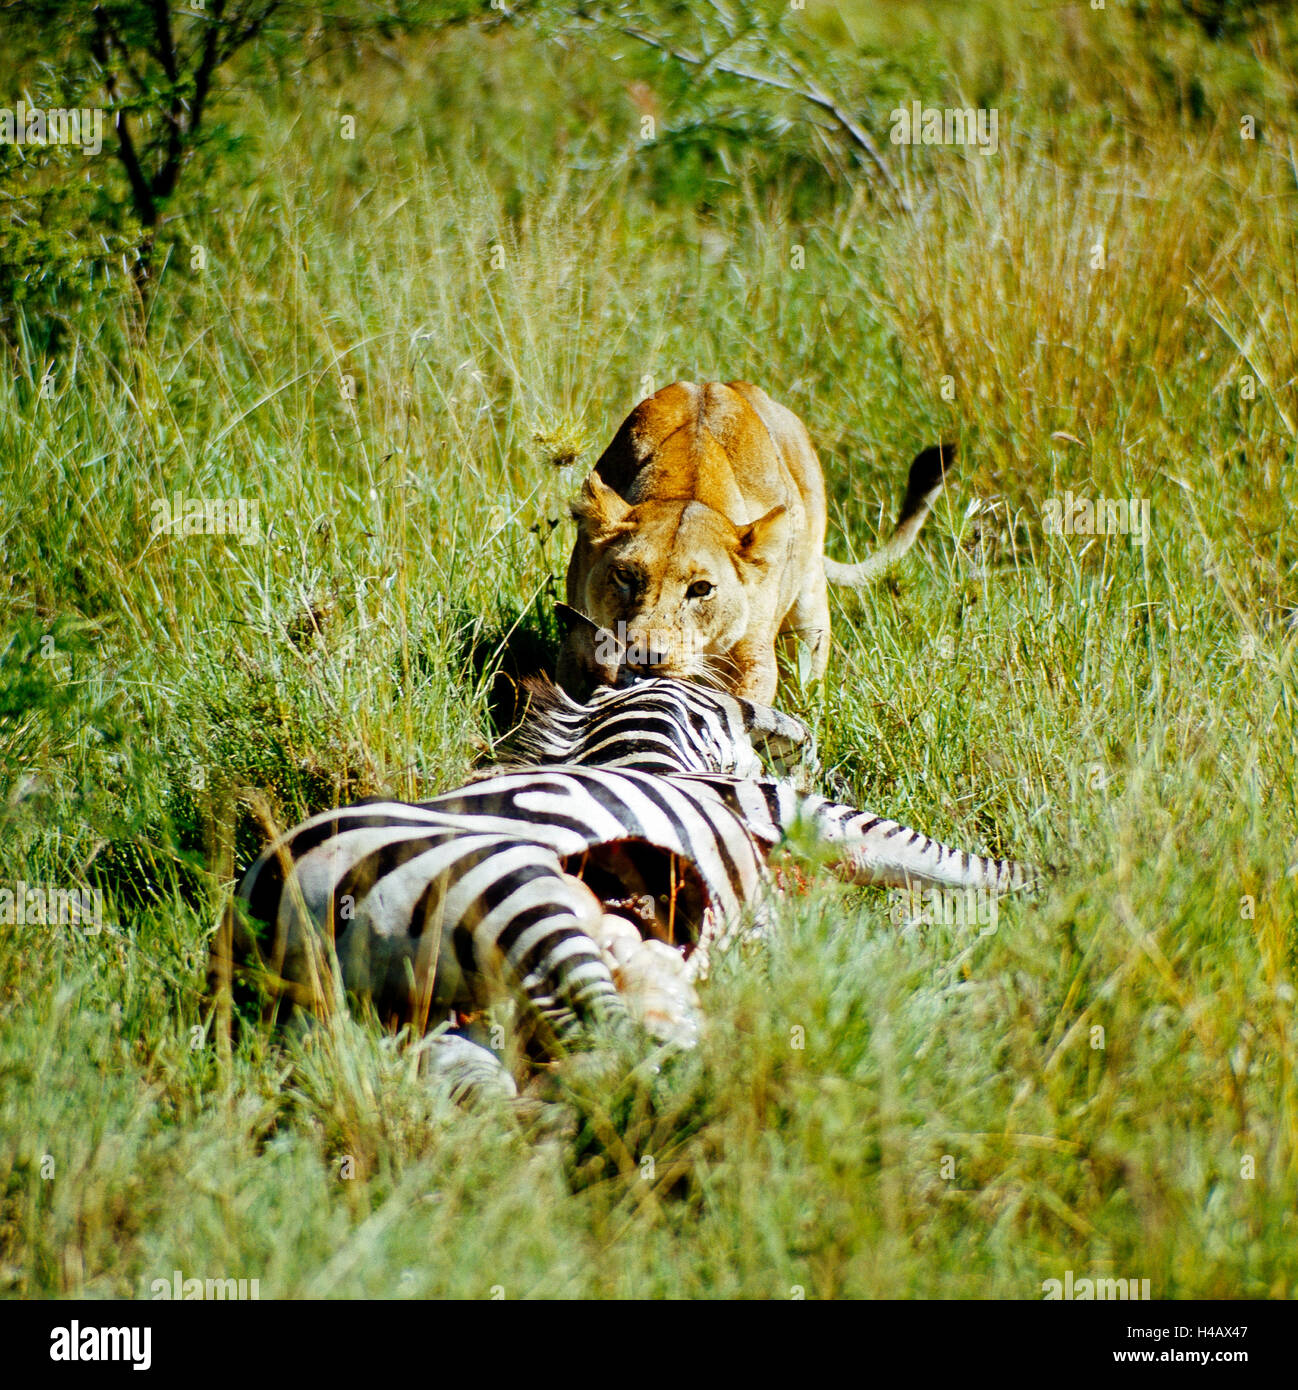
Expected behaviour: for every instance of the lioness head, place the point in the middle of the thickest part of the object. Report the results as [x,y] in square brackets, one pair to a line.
[676,581]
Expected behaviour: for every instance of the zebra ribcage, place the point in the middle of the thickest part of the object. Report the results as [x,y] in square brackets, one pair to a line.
[419,914]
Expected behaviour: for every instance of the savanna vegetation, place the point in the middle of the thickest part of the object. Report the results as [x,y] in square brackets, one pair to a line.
[409,276]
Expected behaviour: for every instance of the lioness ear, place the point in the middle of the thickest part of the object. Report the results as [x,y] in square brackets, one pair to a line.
[597,508]
[760,540]
[592,655]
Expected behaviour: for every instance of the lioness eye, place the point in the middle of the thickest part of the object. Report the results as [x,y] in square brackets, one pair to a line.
[624,575]
[701,588]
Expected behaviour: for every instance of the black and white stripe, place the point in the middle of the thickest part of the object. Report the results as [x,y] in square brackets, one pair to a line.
[658,786]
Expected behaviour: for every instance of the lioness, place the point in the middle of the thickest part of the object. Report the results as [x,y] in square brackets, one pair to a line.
[700,539]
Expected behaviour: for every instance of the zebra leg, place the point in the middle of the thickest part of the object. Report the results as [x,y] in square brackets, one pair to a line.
[471,1073]
[536,927]
[890,855]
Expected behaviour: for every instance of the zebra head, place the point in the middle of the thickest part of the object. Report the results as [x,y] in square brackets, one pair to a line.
[659,724]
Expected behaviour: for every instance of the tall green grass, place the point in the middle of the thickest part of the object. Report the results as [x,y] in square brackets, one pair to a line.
[391,342]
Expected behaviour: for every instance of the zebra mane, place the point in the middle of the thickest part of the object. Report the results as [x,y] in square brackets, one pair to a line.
[552,726]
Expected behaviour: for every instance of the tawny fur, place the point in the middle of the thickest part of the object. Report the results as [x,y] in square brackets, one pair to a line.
[701,538]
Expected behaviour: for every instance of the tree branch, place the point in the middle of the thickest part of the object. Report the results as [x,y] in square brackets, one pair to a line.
[245,27]
[164,40]
[808,91]
[207,63]
[141,195]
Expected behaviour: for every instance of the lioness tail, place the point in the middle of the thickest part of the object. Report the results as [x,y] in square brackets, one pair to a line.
[927,475]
